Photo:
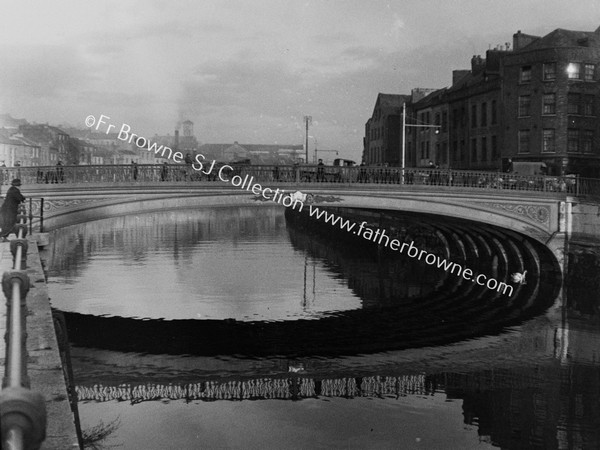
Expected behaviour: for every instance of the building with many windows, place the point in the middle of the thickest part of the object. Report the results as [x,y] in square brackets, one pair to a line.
[551,101]
[537,101]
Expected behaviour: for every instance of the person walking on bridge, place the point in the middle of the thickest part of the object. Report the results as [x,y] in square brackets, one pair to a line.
[8,210]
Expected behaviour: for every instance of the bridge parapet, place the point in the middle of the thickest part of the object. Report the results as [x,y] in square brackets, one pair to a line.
[304,174]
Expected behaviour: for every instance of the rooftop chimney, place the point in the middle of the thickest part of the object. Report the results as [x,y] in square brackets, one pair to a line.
[477,64]
[521,40]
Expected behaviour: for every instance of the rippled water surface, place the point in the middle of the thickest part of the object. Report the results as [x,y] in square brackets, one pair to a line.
[234,328]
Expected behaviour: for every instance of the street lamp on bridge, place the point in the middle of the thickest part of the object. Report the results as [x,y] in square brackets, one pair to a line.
[307,121]
[405,125]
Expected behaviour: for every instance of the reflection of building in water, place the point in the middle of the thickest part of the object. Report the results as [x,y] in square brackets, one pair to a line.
[583,281]
[173,232]
[552,407]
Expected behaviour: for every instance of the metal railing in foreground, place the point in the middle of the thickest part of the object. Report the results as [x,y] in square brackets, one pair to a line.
[22,411]
[209,172]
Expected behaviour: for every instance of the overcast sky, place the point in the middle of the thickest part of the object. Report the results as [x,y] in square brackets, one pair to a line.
[248,71]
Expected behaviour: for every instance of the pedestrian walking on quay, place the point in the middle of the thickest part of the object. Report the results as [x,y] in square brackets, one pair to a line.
[8,210]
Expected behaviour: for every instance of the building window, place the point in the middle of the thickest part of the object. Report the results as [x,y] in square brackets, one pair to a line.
[494,112]
[474,150]
[473,116]
[444,121]
[573,141]
[524,105]
[484,114]
[574,104]
[548,141]
[524,139]
[495,154]
[574,71]
[484,155]
[587,141]
[549,106]
[588,72]
[550,71]
[525,74]
[588,105]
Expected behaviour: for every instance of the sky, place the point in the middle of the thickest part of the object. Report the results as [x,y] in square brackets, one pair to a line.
[249,71]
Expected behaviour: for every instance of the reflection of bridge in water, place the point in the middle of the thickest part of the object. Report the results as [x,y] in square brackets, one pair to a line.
[524,407]
[291,388]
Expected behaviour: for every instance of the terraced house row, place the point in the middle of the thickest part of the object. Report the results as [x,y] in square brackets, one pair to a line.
[537,101]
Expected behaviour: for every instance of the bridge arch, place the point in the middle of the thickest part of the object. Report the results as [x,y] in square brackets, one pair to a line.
[541,216]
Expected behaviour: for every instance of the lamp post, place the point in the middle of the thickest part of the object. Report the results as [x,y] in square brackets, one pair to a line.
[405,125]
[315,152]
[307,120]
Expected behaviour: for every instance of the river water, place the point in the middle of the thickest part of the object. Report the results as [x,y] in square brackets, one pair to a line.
[244,328]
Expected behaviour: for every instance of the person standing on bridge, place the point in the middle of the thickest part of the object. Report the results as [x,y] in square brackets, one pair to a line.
[320,171]
[8,210]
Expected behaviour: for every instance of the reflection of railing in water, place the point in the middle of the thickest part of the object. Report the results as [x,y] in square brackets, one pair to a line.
[262,388]
[306,174]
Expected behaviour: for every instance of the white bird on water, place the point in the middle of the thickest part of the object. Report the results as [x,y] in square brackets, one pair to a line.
[519,277]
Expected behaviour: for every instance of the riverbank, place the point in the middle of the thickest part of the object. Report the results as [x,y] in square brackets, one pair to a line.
[44,365]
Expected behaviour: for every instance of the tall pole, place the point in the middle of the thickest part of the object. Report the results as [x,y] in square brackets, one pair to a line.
[403,134]
[307,119]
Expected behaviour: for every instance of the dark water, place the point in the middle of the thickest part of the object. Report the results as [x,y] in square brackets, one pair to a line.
[241,328]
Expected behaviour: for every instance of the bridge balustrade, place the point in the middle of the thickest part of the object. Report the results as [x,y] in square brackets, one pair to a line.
[300,174]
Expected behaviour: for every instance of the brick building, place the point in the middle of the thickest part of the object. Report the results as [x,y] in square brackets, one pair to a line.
[551,101]
[537,101]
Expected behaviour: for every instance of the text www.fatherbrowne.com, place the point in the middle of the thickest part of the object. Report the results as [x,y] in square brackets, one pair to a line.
[380,237]
[296,201]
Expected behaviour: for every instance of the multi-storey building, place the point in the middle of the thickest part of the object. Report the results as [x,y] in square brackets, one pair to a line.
[53,142]
[537,101]
[383,131]
[551,101]
[18,150]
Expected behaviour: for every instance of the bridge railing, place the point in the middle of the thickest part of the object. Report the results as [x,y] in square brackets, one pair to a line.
[144,173]
[22,411]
